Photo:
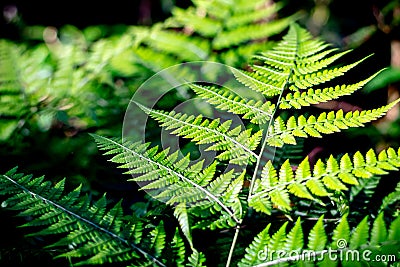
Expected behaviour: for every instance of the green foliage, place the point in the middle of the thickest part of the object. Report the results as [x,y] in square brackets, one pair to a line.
[65,81]
[284,242]
[163,173]
[223,31]
[295,64]
[89,232]
[244,190]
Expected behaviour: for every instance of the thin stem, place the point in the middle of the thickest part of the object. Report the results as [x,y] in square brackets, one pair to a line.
[259,156]
[232,249]
[253,178]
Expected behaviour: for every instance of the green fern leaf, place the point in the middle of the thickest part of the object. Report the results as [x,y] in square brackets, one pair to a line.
[360,234]
[178,44]
[317,238]
[279,249]
[325,179]
[158,239]
[259,243]
[341,232]
[244,17]
[378,232]
[171,180]
[393,233]
[12,94]
[92,234]
[179,249]
[196,259]
[277,241]
[256,112]
[390,199]
[294,239]
[325,123]
[249,32]
[236,144]
[181,214]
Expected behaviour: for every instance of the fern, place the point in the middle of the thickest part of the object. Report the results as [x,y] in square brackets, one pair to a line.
[285,77]
[263,251]
[205,30]
[237,145]
[242,184]
[392,198]
[170,179]
[90,232]
[275,187]
[70,83]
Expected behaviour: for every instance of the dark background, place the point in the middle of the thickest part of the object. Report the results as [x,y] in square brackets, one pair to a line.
[82,14]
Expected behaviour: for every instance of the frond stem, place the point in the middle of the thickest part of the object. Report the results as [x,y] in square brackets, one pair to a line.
[259,156]
[232,249]
[256,167]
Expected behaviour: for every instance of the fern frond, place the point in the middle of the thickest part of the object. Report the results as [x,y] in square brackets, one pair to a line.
[282,132]
[204,25]
[312,96]
[294,239]
[11,92]
[249,32]
[259,243]
[238,145]
[168,178]
[392,198]
[179,250]
[266,85]
[187,48]
[152,60]
[256,111]
[181,214]
[275,187]
[291,66]
[90,232]
[322,76]
[230,24]
[215,30]
[359,235]
[313,250]
[317,238]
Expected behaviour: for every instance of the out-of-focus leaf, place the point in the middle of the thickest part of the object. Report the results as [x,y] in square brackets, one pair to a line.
[386,77]
[360,36]
[7,127]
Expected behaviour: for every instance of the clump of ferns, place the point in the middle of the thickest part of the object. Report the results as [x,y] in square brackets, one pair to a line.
[229,32]
[210,197]
[289,77]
